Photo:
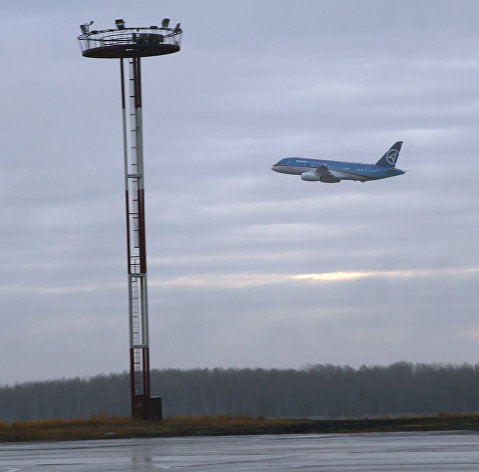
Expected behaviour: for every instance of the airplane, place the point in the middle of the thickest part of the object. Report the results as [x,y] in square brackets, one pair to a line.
[321,170]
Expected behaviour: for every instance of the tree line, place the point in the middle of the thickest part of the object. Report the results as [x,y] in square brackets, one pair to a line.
[318,391]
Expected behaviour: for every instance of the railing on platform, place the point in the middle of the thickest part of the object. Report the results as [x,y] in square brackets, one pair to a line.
[130,42]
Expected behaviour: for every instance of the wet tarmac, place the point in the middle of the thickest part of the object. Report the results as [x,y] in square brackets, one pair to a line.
[306,453]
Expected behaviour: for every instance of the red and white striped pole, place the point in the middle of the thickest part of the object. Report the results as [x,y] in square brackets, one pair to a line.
[136,238]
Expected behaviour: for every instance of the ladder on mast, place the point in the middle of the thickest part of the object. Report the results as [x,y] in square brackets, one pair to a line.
[136,239]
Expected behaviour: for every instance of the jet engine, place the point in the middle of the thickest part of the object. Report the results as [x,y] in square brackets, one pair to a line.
[310,176]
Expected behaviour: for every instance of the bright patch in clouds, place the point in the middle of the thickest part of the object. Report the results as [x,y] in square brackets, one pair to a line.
[332,276]
[242,280]
[408,273]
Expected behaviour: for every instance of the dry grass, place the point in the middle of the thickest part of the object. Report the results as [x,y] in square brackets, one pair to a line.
[105,427]
[58,429]
[99,427]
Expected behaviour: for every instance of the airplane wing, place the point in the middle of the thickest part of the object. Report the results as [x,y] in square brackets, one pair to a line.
[323,171]
[325,175]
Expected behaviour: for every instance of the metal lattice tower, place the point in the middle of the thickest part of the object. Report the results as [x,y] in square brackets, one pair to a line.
[129,45]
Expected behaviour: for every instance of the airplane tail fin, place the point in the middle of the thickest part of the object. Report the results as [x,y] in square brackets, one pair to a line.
[390,158]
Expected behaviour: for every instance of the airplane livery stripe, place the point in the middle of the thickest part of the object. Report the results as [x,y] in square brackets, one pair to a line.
[352,173]
[306,169]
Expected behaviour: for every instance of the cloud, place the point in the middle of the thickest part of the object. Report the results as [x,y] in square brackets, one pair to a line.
[246,267]
[244,280]
[389,274]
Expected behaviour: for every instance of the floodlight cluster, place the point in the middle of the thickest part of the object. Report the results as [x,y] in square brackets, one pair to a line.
[123,41]
[120,25]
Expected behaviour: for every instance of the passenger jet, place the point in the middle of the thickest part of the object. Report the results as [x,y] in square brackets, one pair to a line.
[323,170]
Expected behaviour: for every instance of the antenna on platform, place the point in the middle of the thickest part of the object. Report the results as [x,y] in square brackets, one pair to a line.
[130,45]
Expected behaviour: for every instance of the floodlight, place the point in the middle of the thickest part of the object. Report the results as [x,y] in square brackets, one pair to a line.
[177,28]
[165,22]
[85,28]
[120,24]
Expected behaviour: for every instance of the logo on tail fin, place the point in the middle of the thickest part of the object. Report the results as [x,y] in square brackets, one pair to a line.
[392,156]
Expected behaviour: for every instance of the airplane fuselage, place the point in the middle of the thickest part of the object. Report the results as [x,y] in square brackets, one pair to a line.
[323,170]
[339,169]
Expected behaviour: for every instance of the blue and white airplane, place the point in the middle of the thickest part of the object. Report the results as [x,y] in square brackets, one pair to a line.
[322,170]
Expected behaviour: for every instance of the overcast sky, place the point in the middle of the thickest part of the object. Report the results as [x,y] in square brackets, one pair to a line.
[247,267]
